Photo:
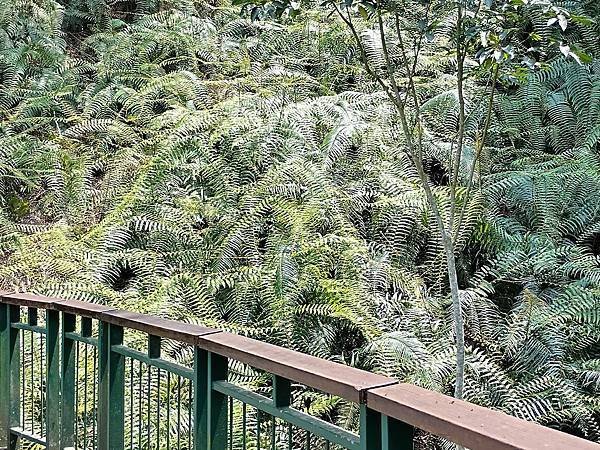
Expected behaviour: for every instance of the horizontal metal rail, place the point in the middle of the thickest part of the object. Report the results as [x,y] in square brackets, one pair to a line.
[318,427]
[70,379]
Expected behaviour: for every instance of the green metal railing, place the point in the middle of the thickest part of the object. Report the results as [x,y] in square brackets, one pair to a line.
[75,375]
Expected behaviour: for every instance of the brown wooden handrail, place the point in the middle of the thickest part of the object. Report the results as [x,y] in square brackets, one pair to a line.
[327,376]
[468,424]
[462,422]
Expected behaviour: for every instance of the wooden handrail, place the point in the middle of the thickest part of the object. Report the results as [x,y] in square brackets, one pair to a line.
[157,326]
[83,309]
[467,424]
[327,376]
[464,423]
[30,300]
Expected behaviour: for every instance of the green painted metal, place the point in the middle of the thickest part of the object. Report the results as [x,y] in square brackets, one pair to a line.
[258,428]
[26,327]
[211,397]
[103,385]
[201,391]
[396,435]
[73,336]
[116,391]
[292,416]
[197,437]
[18,433]
[282,391]
[169,409]
[153,346]
[68,383]
[148,424]
[154,343]
[244,425]
[4,374]
[85,395]
[14,379]
[52,379]
[217,403]
[162,364]
[370,429]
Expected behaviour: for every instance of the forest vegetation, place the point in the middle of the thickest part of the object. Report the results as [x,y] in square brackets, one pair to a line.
[278,170]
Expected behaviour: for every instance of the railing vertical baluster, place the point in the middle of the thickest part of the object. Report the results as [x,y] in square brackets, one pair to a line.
[77,396]
[139,419]
[67,424]
[23,379]
[370,429]
[10,357]
[179,414]
[258,425]
[85,396]
[244,421]
[94,398]
[396,435]
[168,410]
[131,402]
[43,408]
[52,379]
[148,406]
[231,427]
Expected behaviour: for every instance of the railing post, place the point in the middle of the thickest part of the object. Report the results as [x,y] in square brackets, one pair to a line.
[217,403]
[4,375]
[210,407]
[103,346]
[9,374]
[67,416]
[116,391]
[154,348]
[201,389]
[282,391]
[397,435]
[370,429]
[111,389]
[103,400]
[52,380]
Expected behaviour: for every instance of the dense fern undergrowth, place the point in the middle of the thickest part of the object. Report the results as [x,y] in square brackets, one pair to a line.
[182,160]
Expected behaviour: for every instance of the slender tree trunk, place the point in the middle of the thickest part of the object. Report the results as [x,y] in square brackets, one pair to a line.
[415,148]
[459,328]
